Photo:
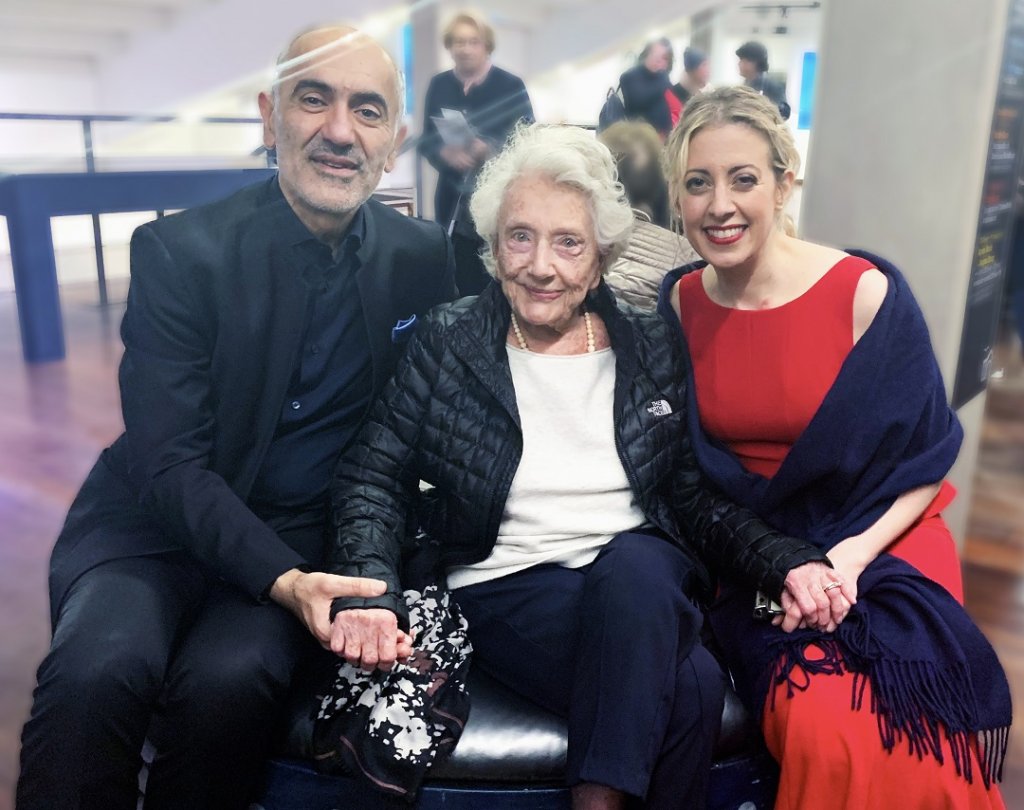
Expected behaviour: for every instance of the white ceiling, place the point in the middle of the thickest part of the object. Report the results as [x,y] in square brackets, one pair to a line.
[77,36]
[761,18]
[84,32]
[80,32]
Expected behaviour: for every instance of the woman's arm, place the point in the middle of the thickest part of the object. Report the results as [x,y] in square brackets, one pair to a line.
[849,558]
[370,498]
[867,300]
[852,555]
[376,478]
[791,571]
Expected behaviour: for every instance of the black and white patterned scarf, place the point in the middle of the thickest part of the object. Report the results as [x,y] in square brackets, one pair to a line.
[390,727]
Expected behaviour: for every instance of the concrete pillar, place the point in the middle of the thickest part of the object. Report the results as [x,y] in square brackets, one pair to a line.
[426,20]
[702,30]
[904,112]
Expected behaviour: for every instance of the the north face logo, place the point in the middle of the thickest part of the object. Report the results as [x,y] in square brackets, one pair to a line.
[659,407]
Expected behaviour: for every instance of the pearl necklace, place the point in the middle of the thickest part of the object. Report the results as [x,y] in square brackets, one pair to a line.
[591,347]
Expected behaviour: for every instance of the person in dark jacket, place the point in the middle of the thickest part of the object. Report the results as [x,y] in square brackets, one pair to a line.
[644,86]
[492,101]
[566,508]
[753,65]
[258,329]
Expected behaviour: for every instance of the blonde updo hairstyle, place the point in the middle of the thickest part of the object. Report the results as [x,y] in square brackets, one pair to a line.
[569,156]
[731,105]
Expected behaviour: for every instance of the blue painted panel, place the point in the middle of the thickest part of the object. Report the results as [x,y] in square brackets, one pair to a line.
[808,82]
[408,66]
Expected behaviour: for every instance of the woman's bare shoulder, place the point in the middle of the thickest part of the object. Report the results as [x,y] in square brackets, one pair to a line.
[867,300]
[673,298]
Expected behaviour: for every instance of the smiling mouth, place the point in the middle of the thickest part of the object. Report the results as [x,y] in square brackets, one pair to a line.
[336,164]
[725,236]
[543,295]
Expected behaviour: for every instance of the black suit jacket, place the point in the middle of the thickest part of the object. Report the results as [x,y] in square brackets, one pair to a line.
[212,331]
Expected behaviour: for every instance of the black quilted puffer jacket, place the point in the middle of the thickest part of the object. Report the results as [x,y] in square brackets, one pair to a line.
[449,419]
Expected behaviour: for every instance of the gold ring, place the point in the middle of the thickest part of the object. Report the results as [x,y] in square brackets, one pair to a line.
[832,585]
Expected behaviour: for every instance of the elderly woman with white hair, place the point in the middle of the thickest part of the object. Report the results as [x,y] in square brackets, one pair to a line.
[567,510]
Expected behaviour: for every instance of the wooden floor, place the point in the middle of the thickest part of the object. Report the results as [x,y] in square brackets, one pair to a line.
[994,550]
[55,418]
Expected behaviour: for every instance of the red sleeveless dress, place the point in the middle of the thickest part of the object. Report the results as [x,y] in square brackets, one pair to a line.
[760,376]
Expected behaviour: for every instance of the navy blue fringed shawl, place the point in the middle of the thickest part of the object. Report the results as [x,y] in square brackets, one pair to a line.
[883,428]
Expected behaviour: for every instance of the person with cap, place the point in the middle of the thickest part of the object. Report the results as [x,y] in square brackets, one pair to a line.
[696,74]
[753,66]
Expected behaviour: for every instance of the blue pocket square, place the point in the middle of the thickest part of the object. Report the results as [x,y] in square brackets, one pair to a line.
[403,329]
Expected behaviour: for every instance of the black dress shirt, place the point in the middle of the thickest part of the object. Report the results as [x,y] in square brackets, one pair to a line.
[331,381]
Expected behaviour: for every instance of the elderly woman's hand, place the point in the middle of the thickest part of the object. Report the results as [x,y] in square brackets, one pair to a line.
[309,597]
[369,639]
[807,603]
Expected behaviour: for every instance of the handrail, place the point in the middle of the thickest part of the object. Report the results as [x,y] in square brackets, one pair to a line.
[142,118]
[87,120]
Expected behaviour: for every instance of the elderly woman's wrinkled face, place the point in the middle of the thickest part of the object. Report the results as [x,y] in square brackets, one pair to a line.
[546,251]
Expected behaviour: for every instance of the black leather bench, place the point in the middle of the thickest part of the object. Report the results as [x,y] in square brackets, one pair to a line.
[511,756]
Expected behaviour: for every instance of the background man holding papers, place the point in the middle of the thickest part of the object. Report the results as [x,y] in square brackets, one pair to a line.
[468,114]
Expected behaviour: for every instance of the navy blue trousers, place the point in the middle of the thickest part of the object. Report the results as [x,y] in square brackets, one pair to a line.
[615,648]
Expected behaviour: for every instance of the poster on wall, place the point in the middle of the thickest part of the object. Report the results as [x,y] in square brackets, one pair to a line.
[995,219]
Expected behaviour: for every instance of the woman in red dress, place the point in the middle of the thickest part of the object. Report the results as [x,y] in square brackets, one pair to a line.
[820,406]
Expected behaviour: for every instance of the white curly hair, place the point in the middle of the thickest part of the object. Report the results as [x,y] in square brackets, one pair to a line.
[569,156]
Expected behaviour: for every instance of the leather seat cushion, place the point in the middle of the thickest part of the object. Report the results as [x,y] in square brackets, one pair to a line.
[510,739]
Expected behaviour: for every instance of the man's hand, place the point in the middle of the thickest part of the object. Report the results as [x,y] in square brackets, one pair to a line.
[309,597]
[369,639]
[807,602]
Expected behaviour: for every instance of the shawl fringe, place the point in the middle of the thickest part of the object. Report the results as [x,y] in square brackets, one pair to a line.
[916,702]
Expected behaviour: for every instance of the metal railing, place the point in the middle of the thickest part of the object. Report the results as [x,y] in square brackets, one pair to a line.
[87,122]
